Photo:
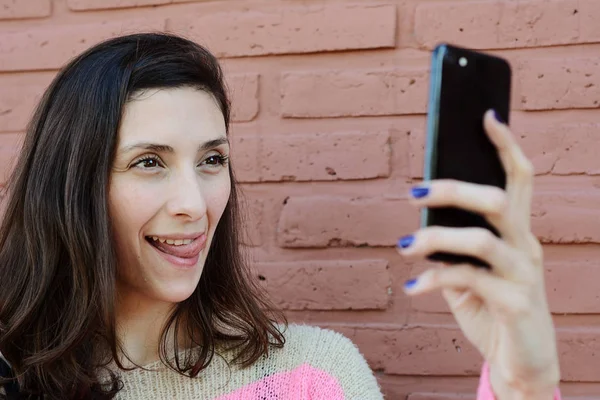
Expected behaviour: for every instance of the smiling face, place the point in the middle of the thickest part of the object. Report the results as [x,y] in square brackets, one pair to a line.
[168,189]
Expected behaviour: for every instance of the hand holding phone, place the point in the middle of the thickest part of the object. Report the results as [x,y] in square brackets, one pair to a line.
[478,192]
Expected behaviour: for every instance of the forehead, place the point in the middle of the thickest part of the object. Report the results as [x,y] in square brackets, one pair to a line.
[159,114]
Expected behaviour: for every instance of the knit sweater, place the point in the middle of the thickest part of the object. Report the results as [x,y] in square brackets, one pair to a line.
[313,364]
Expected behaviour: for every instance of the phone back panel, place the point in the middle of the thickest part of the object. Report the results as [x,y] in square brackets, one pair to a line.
[464,85]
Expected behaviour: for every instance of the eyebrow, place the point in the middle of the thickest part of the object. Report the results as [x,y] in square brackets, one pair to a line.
[163,148]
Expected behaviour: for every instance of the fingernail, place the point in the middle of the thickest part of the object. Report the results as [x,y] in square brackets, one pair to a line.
[409,284]
[498,117]
[406,241]
[419,192]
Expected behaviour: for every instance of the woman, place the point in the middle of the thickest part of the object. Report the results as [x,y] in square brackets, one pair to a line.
[120,264]
[119,246]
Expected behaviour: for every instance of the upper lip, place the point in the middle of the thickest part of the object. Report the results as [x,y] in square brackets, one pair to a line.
[178,236]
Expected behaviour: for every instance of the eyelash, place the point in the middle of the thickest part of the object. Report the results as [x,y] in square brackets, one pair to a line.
[222,160]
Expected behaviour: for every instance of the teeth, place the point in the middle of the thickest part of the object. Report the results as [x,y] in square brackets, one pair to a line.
[173,242]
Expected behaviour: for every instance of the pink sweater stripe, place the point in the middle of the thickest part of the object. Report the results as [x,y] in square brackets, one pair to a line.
[303,382]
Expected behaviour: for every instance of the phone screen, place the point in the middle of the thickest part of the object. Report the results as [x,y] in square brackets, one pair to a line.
[464,85]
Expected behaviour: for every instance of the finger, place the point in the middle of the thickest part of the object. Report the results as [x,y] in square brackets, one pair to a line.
[519,170]
[488,201]
[492,290]
[475,242]
[458,298]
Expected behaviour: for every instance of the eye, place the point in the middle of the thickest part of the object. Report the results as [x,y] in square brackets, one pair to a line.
[147,162]
[215,160]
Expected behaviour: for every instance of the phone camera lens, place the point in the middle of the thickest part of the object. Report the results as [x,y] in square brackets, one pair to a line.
[463,61]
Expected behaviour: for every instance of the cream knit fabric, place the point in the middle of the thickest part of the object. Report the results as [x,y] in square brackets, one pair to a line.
[313,364]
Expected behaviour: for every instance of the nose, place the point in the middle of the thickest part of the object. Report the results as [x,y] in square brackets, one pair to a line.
[186,200]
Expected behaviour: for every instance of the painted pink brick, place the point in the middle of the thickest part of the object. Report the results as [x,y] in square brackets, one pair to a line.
[288,30]
[563,149]
[416,349]
[589,12]
[311,157]
[16,9]
[485,24]
[327,285]
[244,96]
[559,83]
[51,47]
[578,347]
[252,214]
[321,221]
[10,145]
[80,5]
[350,93]
[245,152]
[566,214]
[20,94]
[325,156]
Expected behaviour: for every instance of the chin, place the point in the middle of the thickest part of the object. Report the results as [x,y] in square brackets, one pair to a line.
[176,293]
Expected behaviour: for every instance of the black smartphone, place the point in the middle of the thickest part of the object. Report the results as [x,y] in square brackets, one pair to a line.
[464,84]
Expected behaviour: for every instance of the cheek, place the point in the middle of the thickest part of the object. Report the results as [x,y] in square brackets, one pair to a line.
[130,207]
[217,199]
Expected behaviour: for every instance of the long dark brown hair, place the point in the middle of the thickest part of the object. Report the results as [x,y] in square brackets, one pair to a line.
[57,258]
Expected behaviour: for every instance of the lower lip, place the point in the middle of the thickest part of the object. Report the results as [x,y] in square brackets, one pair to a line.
[180,262]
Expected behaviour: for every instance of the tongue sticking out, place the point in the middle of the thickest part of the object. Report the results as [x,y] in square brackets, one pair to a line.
[184,251]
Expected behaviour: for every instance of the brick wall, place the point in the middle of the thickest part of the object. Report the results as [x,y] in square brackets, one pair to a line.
[329,102]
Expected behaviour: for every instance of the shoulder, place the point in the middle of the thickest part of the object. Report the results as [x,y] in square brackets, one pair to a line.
[313,342]
[329,356]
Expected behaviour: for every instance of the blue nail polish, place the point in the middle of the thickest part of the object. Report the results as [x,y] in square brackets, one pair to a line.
[409,284]
[498,117]
[406,241]
[419,192]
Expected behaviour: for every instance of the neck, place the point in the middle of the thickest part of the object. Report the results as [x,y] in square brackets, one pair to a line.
[140,322]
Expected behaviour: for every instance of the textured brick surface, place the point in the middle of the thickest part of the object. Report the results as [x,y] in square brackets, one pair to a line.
[328,125]
[312,157]
[494,24]
[17,9]
[78,5]
[19,95]
[253,211]
[566,215]
[348,93]
[289,30]
[243,89]
[10,144]
[327,285]
[321,221]
[560,83]
[52,46]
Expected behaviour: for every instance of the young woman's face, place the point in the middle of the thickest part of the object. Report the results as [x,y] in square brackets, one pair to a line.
[168,189]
